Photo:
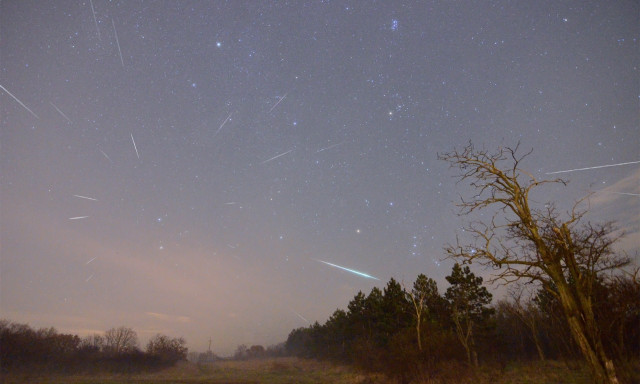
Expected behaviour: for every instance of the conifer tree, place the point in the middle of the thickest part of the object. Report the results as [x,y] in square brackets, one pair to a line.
[468,301]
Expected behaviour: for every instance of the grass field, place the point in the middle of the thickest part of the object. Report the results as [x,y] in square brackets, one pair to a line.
[293,371]
[267,371]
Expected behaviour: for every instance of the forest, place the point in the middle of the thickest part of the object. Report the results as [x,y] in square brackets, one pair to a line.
[415,333]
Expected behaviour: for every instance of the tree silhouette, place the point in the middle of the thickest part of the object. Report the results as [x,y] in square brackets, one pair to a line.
[536,244]
[120,340]
[467,299]
[169,350]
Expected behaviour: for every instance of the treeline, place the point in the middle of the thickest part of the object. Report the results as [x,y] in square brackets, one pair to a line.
[414,333]
[24,349]
[243,352]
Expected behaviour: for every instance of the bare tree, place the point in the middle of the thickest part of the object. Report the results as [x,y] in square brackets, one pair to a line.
[120,340]
[241,352]
[536,244]
[168,348]
[93,342]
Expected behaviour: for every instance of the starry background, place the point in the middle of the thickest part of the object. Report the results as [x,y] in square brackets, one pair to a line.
[270,135]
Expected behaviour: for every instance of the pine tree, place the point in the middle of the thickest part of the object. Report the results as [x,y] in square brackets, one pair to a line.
[467,299]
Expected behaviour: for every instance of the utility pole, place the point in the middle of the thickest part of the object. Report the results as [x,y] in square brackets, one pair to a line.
[209,343]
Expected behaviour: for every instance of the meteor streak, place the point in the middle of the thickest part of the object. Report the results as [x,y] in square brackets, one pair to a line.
[90,260]
[105,155]
[275,157]
[78,217]
[276,104]
[299,315]
[117,41]
[329,147]
[19,102]
[349,270]
[134,146]
[596,167]
[85,197]
[94,18]
[60,112]
[626,193]
[222,125]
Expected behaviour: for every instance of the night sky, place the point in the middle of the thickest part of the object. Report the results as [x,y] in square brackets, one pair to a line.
[185,167]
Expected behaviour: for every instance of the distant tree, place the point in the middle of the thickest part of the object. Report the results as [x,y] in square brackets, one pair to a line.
[241,352]
[169,350]
[92,343]
[276,350]
[23,347]
[120,340]
[255,351]
[468,301]
[537,244]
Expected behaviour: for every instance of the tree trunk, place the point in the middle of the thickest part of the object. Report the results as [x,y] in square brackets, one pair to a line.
[466,347]
[530,322]
[601,367]
[464,336]
[472,347]
[536,338]
[419,336]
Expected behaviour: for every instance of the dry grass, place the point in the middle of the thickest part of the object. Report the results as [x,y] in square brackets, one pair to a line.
[529,372]
[300,371]
[263,371]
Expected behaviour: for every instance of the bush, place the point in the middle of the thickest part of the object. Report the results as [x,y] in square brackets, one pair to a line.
[167,350]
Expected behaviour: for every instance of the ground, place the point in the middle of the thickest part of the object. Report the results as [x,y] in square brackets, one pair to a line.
[299,371]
